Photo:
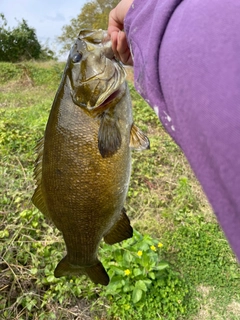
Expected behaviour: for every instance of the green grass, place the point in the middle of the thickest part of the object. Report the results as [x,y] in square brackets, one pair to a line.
[165,204]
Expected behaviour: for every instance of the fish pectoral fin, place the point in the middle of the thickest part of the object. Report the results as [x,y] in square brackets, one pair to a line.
[96,272]
[120,231]
[138,140]
[109,136]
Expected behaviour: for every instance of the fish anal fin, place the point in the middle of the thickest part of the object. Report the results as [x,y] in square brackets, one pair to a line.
[109,136]
[138,140]
[38,199]
[96,272]
[120,231]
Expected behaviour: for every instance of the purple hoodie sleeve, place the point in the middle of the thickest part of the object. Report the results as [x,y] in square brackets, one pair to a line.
[187,67]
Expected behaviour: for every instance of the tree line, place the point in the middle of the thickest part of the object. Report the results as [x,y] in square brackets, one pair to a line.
[21,43]
[94,15]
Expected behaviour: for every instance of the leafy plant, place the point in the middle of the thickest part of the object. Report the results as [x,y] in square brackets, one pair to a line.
[143,285]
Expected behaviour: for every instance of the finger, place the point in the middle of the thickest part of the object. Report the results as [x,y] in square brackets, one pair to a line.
[114,40]
[114,23]
[117,15]
[122,44]
[123,49]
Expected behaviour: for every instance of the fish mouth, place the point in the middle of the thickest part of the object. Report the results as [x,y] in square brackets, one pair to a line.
[108,86]
[110,98]
[115,95]
[116,90]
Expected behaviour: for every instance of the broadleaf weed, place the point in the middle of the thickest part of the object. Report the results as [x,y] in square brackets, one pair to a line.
[141,280]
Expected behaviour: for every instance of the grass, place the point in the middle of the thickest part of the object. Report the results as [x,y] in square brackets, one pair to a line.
[165,202]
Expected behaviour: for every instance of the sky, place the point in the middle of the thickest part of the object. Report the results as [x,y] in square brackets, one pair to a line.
[47,17]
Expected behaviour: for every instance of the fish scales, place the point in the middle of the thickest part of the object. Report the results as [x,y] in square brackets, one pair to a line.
[85,193]
[84,162]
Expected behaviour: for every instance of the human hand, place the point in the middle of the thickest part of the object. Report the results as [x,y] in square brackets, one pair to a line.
[115,30]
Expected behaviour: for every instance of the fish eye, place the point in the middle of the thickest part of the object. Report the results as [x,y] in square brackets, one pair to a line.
[77,57]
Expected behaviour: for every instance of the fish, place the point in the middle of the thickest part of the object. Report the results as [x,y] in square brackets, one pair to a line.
[83,166]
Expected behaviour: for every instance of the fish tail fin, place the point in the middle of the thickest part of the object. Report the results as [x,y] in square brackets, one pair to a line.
[96,272]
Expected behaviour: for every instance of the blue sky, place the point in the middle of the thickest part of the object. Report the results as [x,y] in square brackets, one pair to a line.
[46,17]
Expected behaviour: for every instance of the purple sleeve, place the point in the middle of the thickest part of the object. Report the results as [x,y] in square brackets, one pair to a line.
[187,67]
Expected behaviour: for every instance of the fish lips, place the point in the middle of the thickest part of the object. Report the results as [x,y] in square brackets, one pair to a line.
[112,99]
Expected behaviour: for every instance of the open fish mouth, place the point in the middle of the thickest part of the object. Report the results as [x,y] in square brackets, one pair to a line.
[105,100]
[96,80]
[113,90]
[114,98]
[110,98]
[116,90]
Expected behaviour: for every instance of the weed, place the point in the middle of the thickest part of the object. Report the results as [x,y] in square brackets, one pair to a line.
[143,285]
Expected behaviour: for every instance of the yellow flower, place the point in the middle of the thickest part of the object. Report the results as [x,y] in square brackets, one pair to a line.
[127,272]
[153,248]
[160,245]
[139,253]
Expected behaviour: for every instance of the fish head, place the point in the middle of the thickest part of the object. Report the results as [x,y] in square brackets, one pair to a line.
[95,76]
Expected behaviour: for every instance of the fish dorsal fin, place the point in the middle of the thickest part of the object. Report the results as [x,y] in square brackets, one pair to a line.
[138,140]
[109,136]
[37,198]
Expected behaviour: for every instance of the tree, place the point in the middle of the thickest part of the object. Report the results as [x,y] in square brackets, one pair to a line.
[94,15]
[20,43]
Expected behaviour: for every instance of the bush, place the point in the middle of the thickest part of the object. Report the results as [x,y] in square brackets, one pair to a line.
[20,43]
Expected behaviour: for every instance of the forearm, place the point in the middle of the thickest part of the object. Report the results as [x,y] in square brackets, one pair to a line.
[186,54]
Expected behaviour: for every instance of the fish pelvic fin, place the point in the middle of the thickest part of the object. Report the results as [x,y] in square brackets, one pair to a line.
[120,231]
[109,136]
[38,199]
[96,272]
[138,140]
